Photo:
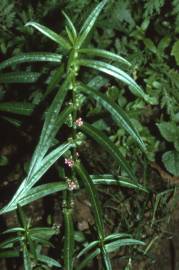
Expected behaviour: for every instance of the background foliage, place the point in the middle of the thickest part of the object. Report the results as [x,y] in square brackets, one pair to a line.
[144,32]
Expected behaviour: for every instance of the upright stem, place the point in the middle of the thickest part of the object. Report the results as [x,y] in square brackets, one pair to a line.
[72,70]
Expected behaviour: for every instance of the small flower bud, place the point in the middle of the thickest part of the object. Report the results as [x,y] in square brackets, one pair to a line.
[71,184]
[69,162]
[79,122]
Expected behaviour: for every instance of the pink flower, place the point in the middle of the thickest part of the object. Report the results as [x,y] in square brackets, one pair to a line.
[69,162]
[71,184]
[79,122]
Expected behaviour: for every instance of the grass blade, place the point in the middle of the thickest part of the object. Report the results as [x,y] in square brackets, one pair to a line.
[19,77]
[12,121]
[120,117]
[31,57]
[110,147]
[50,34]
[105,54]
[89,23]
[116,73]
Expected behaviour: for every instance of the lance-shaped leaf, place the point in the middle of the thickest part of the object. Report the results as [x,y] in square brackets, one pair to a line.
[109,146]
[9,242]
[28,183]
[19,77]
[43,232]
[21,108]
[120,117]
[50,34]
[31,57]
[105,54]
[116,236]
[110,247]
[114,72]
[72,34]
[115,245]
[91,191]
[50,127]
[90,246]
[54,80]
[89,23]
[106,258]
[12,230]
[108,179]
[69,239]
[49,261]
[26,258]
[41,191]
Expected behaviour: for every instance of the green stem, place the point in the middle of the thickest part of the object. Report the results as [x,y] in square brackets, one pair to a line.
[68,195]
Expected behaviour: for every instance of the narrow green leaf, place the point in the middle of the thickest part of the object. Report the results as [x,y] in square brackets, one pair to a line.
[26,257]
[115,245]
[27,183]
[9,254]
[42,191]
[9,242]
[19,77]
[71,27]
[88,248]
[21,217]
[88,259]
[106,258]
[50,34]
[42,241]
[54,80]
[120,117]
[105,54]
[69,239]
[12,230]
[90,188]
[31,57]
[89,23]
[13,121]
[116,236]
[49,261]
[22,108]
[43,232]
[110,247]
[108,179]
[31,246]
[110,147]
[50,127]
[116,73]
